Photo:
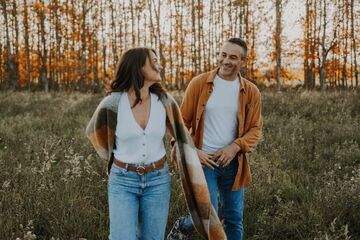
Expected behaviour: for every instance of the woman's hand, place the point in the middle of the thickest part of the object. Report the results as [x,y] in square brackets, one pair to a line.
[173,157]
[206,159]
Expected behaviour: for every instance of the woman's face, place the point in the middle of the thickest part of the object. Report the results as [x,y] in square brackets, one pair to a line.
[152,69]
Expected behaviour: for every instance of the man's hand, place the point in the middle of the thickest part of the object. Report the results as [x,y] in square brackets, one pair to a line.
[224,155]
[206,159]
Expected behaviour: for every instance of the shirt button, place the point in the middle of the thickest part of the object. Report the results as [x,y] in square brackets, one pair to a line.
[143,155]
[144,133]
[143,144]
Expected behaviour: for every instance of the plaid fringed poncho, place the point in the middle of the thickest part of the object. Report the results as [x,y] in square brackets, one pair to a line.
[101,132]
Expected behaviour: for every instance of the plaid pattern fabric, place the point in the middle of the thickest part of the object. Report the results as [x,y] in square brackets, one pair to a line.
[101,133]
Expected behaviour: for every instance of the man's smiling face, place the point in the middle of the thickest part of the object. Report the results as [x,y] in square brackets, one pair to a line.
[230,60]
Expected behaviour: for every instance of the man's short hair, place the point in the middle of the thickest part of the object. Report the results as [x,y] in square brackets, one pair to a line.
[241,43]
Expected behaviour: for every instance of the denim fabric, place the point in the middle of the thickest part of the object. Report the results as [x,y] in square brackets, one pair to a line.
[220,181]
[138,204]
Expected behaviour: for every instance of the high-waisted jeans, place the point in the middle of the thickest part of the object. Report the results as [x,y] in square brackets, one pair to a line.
[138,204]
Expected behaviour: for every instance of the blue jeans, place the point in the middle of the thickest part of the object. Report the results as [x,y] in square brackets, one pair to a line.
[220,181]
[138,204]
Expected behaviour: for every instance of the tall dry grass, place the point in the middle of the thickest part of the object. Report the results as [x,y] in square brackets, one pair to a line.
[306,170]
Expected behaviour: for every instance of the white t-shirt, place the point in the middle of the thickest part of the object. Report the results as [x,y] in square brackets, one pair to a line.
[221,115]
[134,144]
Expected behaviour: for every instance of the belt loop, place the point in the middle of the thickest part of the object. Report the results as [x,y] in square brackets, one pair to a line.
[153,165]
[126,166]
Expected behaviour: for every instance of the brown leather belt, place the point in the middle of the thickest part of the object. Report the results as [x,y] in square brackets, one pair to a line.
[141,170]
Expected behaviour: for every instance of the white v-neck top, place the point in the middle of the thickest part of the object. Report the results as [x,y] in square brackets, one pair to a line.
[134,144]
[221,115]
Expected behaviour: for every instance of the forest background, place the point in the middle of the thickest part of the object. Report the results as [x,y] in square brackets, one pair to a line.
[75,45]
[57,55]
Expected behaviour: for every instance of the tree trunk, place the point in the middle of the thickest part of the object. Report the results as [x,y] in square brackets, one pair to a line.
[278,43]
[246,15]
[83,65]
[9,66]
[306,45]
[58,38]
[114,34]
[230,12]
[95,65]
[132,23]
[356,73]
[17,53]
[138,27]
[200,35]
[211,35]
[151,24]
[51,47]
[252,56]
[126,20]
[193,44]
[171,83]
[27,47]
[313,48]
[182,55]
[103,41]
[159,44]
[1,68]
[43,68]
[322,69]
[345,55]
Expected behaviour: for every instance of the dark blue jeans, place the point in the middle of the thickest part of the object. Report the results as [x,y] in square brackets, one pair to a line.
[220,181]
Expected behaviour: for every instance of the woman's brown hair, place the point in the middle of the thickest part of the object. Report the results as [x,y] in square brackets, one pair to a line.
[129,74]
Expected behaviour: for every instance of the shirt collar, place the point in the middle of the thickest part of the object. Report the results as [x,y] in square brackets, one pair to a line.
[213,73]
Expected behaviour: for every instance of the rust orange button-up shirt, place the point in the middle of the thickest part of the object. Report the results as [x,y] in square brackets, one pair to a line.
[249,116]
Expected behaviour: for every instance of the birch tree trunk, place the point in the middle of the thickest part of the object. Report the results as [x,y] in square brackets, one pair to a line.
[278,44]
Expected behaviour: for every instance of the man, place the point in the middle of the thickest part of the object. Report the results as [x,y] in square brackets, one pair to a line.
[222,110]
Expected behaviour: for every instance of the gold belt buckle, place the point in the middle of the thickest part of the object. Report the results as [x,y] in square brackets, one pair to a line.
[140,170]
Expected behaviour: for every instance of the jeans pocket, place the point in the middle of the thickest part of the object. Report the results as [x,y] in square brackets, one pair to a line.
[162,171]
[117,171]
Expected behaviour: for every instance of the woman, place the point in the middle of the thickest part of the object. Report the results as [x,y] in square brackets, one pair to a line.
[127,129]
[139,183]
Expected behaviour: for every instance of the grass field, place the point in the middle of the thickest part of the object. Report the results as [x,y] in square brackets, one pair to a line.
[306,169]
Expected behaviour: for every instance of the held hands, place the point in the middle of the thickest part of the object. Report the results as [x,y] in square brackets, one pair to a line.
[206,159]
[220,158]
[224,155]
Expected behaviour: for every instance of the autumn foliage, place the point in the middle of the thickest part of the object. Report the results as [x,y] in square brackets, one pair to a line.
[75,45]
